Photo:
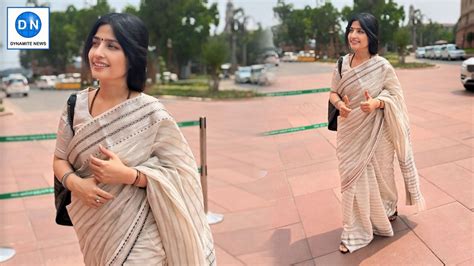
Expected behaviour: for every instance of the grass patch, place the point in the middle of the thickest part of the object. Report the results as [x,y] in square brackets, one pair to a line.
[199,91]
[469,50]
[411,65]
[2,108]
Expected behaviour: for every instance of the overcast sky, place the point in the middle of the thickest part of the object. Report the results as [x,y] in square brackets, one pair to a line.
[442,11]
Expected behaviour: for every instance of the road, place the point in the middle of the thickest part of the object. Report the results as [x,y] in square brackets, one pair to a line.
[290,76]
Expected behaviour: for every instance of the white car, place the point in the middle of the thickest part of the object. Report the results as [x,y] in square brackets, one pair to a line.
[467,73]
[289,57]
[46,82]
[242,75]
[437,51]
[420,52]
[429,52]
[17,85]
[452,52]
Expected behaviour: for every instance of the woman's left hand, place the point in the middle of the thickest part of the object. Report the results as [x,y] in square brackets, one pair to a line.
[369,104]
[111,171]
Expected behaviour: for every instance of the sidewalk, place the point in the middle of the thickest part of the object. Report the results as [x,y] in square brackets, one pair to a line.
[279,194]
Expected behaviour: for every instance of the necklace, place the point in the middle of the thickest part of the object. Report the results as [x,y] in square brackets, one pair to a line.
[97,92]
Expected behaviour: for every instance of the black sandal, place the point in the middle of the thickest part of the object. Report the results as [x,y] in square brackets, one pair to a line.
[394,216]
[343,249]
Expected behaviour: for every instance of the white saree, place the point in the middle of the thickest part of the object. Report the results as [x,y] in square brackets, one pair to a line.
[366,144]
[165,223]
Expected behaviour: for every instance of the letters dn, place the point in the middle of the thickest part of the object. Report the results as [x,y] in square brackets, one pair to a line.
[27,28]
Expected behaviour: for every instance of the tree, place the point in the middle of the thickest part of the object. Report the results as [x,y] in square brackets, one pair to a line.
[214,55]
[402,39]
[325,22]
[186,23]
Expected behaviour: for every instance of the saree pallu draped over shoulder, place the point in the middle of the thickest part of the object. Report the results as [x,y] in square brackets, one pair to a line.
[144,136]
[366,144]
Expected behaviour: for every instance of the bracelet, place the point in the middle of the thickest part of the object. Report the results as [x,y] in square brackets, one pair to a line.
[65,176]
[137,178]
[381,104]
[335,104]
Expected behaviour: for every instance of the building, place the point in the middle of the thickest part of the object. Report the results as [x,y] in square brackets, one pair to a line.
[465,28]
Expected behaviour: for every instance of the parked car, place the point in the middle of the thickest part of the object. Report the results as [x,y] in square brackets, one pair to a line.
[452,52]
[225,71]
[429,52]
[289,57]
[467,73]
[17,85]
[242,75]
[269,57]
[420,52]
[46,82]
[267,76]
[255,73]
[167,76]
[437,51]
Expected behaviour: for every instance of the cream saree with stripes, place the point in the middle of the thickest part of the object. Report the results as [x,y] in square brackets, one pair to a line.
[366,145]
[165,223]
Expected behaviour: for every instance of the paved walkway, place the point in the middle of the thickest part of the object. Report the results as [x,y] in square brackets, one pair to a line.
[279,194]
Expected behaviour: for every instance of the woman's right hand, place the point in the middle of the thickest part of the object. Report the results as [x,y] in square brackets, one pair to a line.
[88,192]
[342,106]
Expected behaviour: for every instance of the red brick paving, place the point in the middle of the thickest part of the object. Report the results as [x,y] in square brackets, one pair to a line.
[279,194]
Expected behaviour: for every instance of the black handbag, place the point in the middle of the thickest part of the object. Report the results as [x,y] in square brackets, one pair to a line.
[62,196]
[333,112]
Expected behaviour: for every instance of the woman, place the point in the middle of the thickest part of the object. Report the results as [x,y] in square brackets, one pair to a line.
[136,196]
[372,127]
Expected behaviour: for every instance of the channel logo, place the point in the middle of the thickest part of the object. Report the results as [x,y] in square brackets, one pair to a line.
[27,28]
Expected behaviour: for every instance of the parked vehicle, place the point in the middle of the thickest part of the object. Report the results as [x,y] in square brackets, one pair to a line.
[17,84]
[242,75]
[269,57]
[467,74]
[46,82]
[167,77]
[256,70]
[267,76]
[420,52]
[225,71]
[429,52]
[289,57]
[452,52]
[437,51]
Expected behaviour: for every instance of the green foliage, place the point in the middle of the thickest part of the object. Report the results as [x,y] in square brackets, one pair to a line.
[325,22]
[431,32]
[186,23]
[402,39]
[214,55]
[201,92]
[299,25]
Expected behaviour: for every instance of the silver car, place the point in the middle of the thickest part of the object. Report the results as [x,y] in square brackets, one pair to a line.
[242,75]
[452,52]
[420,52]
[17,86]
[467,73]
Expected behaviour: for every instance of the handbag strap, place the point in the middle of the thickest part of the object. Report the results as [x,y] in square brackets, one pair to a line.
[71,104]
[339,66]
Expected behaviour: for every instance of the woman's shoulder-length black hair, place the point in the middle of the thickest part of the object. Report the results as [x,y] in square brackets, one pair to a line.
[371,27]
[132,35]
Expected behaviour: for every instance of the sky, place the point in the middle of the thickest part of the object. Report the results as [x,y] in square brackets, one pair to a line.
[441,11]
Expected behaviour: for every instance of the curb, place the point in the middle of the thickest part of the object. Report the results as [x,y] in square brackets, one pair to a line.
[5,113]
